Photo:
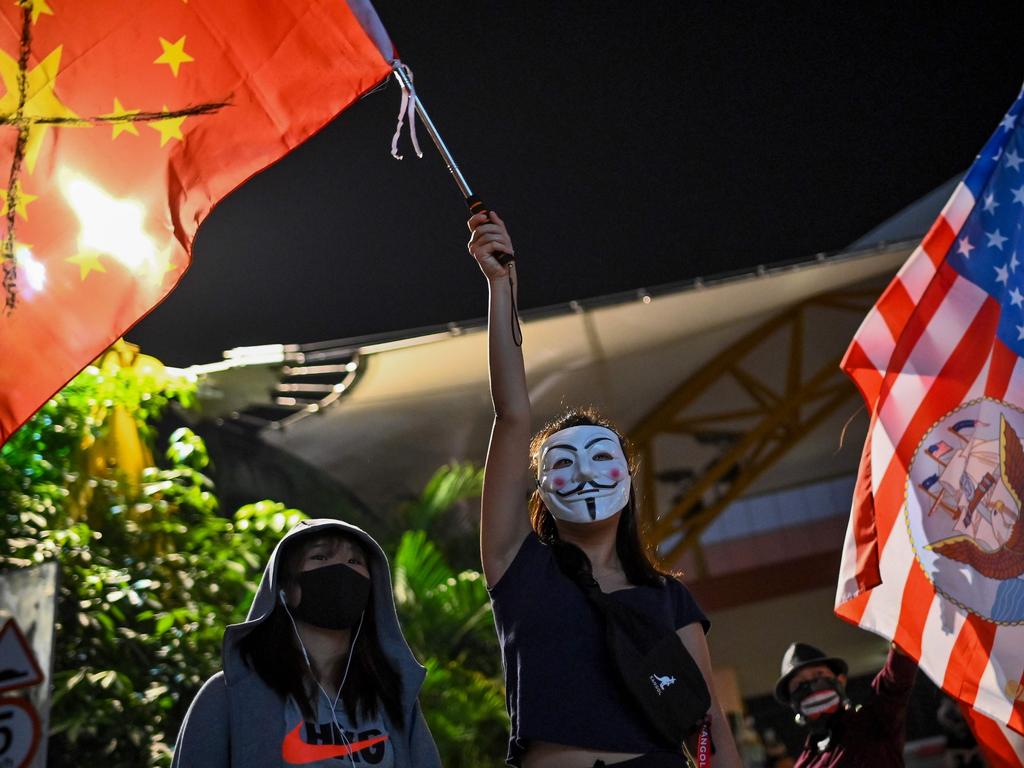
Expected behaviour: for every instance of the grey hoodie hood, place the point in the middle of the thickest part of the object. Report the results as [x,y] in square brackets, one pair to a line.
[231,722]
[392,641]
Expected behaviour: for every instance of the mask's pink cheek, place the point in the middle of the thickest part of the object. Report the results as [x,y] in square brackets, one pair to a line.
[616,473]
[559,482]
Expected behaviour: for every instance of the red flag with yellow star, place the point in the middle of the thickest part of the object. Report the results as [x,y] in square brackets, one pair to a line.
[121,125]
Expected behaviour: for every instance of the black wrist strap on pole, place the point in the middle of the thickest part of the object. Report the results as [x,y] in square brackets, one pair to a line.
[507,260]
[517,331]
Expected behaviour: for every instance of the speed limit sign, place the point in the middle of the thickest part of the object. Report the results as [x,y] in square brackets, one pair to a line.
[19,733]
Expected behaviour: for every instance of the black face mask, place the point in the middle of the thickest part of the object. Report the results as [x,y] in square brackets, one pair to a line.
[333,597]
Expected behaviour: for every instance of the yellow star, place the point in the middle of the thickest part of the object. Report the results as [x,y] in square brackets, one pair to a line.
[158,271]
[38,7]
[20,207]
[169,128]
[87,262]
[123,127]
[41,99]
[174,54]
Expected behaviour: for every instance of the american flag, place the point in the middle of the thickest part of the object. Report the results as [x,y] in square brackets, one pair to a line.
[935,559]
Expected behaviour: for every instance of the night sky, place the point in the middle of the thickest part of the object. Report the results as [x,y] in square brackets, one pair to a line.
[627,144]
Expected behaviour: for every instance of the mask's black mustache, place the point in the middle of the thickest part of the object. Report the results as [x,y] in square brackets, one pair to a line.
[579,488]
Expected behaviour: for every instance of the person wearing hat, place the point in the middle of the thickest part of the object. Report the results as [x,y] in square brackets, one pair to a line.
[842,734]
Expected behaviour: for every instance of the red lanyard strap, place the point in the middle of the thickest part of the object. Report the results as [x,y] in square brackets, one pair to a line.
[705,747]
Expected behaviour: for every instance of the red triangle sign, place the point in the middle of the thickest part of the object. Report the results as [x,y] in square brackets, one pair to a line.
[18,666]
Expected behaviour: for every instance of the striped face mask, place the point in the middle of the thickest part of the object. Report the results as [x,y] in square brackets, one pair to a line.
[818,698]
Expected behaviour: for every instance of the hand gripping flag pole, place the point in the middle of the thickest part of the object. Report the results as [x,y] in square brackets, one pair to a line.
[411,103]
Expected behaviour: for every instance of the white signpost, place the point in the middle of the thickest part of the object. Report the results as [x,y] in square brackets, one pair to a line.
[28,602]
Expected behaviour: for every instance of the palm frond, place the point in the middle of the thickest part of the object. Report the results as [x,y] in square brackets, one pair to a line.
[419,567]
[448,486]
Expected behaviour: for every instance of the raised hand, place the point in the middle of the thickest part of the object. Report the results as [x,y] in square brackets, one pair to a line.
[489,239]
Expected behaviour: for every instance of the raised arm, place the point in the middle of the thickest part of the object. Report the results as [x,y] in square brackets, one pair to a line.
[503,519]
[890,690]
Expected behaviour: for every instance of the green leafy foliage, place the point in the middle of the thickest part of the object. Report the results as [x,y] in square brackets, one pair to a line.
[152,572]
[466,712]
[449,485]
[447,509]
[447,619]
[443,613]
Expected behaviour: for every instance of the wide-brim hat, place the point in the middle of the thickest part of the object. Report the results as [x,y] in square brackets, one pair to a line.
[798,656]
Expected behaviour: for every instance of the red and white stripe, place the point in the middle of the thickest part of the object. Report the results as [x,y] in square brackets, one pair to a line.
[819,703]
[999,745]
[927,346]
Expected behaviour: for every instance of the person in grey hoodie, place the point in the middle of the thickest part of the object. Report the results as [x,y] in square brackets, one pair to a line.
[319,674]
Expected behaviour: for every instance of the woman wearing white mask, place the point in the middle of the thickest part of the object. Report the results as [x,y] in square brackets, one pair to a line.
[563,576]
[319,674]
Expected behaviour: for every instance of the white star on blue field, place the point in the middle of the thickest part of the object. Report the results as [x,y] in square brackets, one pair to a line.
[989,249]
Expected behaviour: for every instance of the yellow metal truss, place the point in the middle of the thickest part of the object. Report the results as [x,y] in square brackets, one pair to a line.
[760,431]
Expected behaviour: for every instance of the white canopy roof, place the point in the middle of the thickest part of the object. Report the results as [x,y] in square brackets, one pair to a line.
[422,401]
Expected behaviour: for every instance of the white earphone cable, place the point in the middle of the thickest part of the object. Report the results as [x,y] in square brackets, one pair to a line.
[348,663]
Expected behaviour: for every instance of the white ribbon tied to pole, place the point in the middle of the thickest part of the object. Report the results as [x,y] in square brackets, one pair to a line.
[407,109]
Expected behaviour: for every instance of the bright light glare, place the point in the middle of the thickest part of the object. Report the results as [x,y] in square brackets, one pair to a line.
[111,226]
[33,269]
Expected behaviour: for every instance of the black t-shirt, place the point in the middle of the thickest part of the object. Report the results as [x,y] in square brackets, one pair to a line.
[560,685]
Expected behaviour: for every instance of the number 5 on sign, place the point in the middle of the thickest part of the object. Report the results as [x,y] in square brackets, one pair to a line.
[19,733]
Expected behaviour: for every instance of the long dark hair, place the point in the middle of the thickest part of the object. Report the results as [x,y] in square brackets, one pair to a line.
[637,563]
[272,650]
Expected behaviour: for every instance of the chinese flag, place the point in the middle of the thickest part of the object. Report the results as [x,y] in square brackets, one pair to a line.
[123,124]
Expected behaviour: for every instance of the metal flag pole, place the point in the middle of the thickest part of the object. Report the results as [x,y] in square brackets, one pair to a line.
[403,80]
[475,204]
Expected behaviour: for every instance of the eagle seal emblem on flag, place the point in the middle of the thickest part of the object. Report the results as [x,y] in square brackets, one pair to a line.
[963,509]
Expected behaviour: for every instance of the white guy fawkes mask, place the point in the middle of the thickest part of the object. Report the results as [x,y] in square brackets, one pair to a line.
[582,474]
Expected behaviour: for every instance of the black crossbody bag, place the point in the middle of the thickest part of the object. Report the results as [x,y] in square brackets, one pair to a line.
[654,666]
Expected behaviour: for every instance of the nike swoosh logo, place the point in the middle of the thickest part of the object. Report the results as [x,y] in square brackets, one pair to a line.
[295,751]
